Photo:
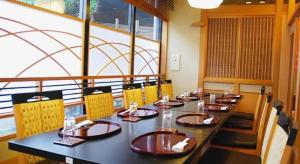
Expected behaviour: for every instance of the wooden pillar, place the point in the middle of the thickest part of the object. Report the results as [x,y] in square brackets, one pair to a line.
[277,46]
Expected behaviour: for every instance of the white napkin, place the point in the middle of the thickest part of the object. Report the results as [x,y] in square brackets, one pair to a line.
[208,121]
[195,92]
[233,100]
[125,111]
[83,123]
[182,95]
[179,147]
[224,108]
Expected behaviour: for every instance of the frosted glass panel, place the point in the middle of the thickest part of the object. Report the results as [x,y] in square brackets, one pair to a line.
[146,56]
[109,51]
[32,41]
[35,43]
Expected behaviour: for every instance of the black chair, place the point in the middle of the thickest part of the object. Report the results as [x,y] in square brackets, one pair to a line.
[241,140]
[222,156]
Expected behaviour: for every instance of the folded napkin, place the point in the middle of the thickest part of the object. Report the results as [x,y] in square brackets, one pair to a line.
[208,121]
[83,123]
[126,111]
[182,95]
[233,100]
[224,108]
[179,147]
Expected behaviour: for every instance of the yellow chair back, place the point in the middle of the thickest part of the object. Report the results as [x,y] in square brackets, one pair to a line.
[150,92]
[98,105]
[37,117]
[167,88]
[132,93]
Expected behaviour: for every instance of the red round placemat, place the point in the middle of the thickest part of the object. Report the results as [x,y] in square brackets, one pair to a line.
[159,143]
[188,98]
[215,107]
[173,103]
[98,129]
[196,119]
[141,113]
[226,100]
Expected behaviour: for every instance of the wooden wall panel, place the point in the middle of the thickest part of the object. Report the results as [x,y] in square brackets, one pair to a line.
[240,47]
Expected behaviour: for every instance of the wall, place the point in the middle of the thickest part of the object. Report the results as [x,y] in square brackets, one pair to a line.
[184,39]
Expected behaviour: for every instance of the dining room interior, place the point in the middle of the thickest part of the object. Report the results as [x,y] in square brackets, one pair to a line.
[150,81]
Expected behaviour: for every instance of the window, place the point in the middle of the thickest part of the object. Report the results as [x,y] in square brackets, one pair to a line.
[147,25]
[113,13]
[147,44]
[69,7]
[57,44]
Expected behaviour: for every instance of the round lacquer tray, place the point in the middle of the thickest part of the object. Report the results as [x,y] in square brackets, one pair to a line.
[201,94]
[196,120]
[173,103]
[98,129]
[141,112]
[226,100]
[159,143]
[188,98]
[232,96]
[216,107]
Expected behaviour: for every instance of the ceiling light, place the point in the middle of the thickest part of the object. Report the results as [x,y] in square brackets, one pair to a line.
[205,4]
[262,2]
[248,2]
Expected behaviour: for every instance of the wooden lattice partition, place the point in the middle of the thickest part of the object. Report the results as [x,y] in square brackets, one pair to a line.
[240,47]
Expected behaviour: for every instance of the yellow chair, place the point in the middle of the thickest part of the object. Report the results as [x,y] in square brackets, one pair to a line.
[132,93]
[150,92]
[98,102]
[34,117]
[167,88]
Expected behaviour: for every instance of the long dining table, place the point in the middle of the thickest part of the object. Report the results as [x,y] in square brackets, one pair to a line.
[116,148]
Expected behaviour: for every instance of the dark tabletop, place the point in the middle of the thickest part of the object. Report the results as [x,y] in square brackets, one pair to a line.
[115,149]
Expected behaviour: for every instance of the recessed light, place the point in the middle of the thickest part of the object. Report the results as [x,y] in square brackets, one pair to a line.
[248,2]
[262,2]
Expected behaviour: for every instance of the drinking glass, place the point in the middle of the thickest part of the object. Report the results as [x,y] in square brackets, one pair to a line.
[200,90]
[166,124]
[212,98]
[200,106]
[226,93]
[132,109]
[167,119]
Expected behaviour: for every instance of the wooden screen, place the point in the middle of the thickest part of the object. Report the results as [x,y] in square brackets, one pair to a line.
[222,47]
[240,47]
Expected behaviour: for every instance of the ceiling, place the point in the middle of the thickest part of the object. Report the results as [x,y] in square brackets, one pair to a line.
[253,2]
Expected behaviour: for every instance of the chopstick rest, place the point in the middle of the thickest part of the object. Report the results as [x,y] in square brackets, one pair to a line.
[179,147]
